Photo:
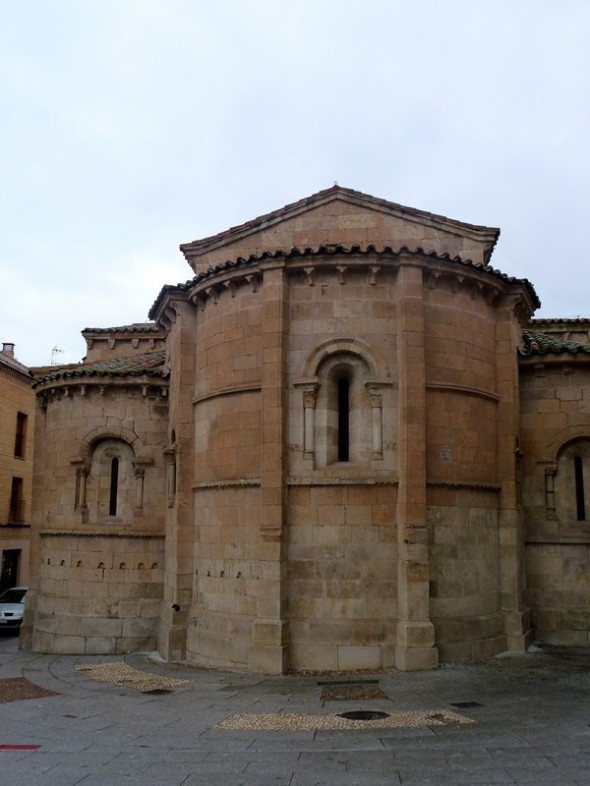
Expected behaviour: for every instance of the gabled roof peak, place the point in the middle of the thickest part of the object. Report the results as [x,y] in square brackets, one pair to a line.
[196,248]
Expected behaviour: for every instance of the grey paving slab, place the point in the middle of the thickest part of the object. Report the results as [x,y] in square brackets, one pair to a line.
[531,727]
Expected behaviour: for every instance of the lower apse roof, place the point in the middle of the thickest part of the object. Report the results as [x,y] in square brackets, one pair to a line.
[151,364]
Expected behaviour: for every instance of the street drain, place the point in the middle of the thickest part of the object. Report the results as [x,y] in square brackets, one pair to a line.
[158,691]
[362,715]
[464,705]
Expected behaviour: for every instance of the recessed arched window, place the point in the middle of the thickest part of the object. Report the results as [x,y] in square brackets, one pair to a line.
[343,419]
[579,486]
[114,486]
[112,482]
[572,482]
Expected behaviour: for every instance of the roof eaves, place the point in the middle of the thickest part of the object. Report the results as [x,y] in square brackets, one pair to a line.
[146,364]
[330,250]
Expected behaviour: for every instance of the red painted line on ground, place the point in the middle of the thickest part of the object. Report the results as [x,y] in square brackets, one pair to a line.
[19,747]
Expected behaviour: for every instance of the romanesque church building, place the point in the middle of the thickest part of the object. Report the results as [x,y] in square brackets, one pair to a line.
[344,443]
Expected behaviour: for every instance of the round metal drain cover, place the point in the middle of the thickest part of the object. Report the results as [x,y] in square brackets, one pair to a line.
[363,715]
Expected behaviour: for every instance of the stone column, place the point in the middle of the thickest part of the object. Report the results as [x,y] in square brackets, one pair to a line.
[415,633]
[180,525]
[511,529]
[377,421]
[269,647]
[309,402]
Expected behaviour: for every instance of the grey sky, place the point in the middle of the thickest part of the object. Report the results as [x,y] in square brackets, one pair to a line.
[131,126]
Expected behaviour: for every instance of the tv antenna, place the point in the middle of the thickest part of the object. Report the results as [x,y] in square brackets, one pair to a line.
[55,351]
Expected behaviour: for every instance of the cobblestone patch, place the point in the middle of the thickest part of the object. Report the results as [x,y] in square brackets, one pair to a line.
[292,722]
[126,676]
[19,688]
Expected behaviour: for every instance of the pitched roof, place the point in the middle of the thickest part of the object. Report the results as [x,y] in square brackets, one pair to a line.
[542,344]
[146,364]
[328,195]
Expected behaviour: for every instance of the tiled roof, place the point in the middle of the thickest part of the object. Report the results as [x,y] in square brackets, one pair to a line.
[330,251]
[135,327]
[582,321]
[329,194]
[148,363]
[543,344]
[14,366]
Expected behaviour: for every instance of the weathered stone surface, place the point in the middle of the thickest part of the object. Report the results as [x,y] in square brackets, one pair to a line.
[342,462]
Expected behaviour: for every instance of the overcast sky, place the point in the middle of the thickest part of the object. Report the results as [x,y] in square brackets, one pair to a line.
[131,126]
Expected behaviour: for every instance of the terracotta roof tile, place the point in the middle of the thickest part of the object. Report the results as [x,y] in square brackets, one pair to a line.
[135,327]
[148,363]
[330,251]
[543,344]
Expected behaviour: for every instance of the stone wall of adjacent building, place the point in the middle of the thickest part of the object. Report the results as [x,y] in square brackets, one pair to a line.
[555,407]
[99,570]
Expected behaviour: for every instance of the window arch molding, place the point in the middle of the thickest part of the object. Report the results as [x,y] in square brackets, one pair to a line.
[122,469]
[567,479]
[341,382]
[353,346]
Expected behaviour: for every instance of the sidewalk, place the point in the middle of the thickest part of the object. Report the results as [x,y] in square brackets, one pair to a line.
[511,720]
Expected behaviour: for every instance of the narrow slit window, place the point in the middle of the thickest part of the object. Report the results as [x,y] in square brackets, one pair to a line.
[579,478]
[21,431]
[343,419]
[17,503]
[114,487]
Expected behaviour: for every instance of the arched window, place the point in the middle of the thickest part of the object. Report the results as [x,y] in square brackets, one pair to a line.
[579,484]
[572,482]
[343,419]
[342,384]
[343,412]
[112,482]
[114,486]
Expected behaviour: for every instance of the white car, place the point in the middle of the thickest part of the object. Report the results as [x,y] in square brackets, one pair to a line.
[12,606]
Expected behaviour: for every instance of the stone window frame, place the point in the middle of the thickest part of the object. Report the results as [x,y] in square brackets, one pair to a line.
[83,463]
[561,471]
[366,370]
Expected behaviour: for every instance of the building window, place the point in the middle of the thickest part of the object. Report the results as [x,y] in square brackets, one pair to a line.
[114,486]
[111,489]
[343,419]
[579,484]
[16,510]
[568,485]
[342,422]
[21,433]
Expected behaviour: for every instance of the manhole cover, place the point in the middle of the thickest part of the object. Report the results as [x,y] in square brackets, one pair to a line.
[363,715]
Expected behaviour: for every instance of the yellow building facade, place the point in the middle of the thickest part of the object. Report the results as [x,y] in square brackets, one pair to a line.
[17,415]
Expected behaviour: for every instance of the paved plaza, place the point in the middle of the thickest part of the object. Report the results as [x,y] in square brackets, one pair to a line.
[511,720]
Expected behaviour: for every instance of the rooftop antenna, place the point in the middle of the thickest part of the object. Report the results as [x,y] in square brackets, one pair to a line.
[55,351]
